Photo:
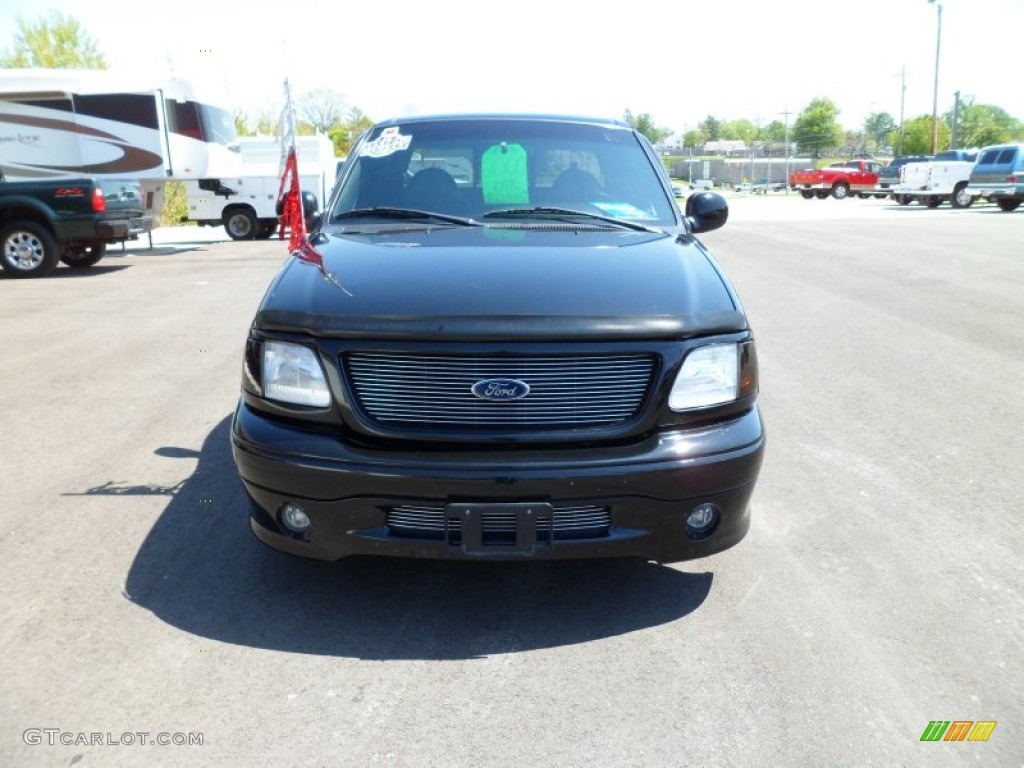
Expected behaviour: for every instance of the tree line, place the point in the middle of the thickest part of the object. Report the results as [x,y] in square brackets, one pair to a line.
[59,41]
[818,132]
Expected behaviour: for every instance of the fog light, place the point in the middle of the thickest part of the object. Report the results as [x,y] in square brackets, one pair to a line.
[294,518]
[702,519]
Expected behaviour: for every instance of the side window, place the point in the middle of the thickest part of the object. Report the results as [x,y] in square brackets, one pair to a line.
[64,105]
[183,118]
[132,108]
[988,157]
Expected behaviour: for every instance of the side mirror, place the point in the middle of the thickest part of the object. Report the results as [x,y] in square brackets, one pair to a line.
[310,204]
[706,211]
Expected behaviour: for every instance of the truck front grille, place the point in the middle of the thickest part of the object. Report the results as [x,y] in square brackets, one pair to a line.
[568,522]
[435,393]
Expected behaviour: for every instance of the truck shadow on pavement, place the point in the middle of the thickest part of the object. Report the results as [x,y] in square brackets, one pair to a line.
[62,272]
[201,570]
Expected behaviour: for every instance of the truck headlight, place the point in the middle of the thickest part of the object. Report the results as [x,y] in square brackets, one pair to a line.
[292,374]
[713,375]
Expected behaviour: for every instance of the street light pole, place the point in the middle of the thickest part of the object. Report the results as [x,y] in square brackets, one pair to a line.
[935,92]
[787,113]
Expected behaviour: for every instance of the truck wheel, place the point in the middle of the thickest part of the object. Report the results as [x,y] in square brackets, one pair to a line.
[960,197]
[84,256]
[1008,203]
[934,201]
[902,199]
[841,191]
[240,224]
[806,194]
[821,194]
[29,249]
[265,229]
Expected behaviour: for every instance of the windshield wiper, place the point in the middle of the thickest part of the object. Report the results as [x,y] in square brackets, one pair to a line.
[563,213]
[385,212]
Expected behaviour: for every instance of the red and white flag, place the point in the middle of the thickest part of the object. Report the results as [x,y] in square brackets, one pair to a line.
[289,193]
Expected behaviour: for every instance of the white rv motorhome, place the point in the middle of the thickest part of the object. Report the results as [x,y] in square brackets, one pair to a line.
[246,204]
[60,123]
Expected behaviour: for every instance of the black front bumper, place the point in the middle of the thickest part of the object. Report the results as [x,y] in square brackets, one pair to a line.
[647,488]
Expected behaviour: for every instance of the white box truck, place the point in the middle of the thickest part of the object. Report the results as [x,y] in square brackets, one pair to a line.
[942,178]
[246,204]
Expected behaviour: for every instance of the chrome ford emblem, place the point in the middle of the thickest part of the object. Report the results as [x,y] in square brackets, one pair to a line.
[501,389]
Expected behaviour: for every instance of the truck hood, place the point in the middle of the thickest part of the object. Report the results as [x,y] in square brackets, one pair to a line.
[501,283]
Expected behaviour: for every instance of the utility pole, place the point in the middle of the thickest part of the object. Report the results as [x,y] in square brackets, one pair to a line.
[935,92]
[787,113]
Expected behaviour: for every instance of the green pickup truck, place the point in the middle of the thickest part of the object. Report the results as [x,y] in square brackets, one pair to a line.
[69,220]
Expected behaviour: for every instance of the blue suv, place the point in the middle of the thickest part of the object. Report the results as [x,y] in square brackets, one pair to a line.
[999,176]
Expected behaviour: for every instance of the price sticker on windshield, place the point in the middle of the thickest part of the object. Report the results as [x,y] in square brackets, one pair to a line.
[389,142]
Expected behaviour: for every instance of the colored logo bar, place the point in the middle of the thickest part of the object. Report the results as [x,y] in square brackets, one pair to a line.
[958,730]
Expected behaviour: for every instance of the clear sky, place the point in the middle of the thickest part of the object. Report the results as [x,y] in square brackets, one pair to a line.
[680,61]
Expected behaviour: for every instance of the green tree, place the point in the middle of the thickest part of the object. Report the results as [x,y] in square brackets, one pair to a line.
[644,123]
[816,130]
[980,125]
[54,42]
[344,134]
[917,136]
[175,210]
[694,138]
[775,131]
[877,127]
[711,127]
[242,124]
[743,130]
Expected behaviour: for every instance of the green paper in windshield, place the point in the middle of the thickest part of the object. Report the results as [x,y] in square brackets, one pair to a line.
[503,175]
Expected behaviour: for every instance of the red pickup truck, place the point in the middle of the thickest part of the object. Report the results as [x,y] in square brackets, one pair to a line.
[839,179]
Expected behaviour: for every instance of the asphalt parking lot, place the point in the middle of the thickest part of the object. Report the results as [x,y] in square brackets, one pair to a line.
[881,586]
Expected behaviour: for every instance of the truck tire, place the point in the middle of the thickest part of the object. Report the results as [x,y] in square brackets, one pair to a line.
[821,194]
[29,249]
[84,256]
[240,223]
[265,229]
[806,194]
[841,190]
[902,199]
[960,198]
[1005,203]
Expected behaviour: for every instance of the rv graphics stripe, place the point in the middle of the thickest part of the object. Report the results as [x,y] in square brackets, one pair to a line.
[132,158]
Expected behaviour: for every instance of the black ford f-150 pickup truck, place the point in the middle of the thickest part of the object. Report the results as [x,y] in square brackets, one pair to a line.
[68,220]
[503,340]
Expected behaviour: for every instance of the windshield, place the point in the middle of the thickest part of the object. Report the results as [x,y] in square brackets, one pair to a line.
[471,167]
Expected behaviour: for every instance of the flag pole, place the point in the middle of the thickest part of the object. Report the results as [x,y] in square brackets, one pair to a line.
[289,194]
